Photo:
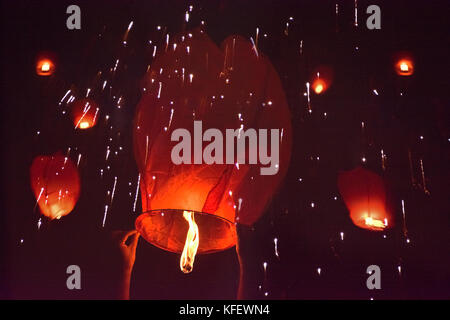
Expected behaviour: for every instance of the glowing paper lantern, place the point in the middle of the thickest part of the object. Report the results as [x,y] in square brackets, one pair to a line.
[56,185]
[319,86]
[45,67]
[85,114]
[322,79]
[404,67]
[364,195]
[229,88]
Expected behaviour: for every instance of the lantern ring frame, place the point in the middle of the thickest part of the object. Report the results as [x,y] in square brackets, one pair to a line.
[167,230]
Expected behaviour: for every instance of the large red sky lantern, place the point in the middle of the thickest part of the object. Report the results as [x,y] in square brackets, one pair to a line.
[56,185]
[231,87]
[364,194]
[85,113]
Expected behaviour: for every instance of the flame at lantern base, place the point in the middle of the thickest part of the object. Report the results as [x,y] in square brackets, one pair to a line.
[167,229]
[191,245]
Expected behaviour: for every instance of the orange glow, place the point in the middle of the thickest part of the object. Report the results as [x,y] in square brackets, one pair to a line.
[84,125]
[217,194]
[375,223]
[319,85]
[85,114]
[45,67]
[56,185]
[191,245]
[364,195]
[404,67]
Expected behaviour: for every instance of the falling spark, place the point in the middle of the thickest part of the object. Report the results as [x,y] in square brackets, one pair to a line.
[342,235]
[375,91]
[159,90]
[39,223]
[104,215]
[167,41]
[356,13]
[383,160]
[405,230]
[67,93]
[308,97]
[137,192]
[275,241]
[107,153]
[423,178]
[301,47]
[79,158]
[254,47]
[319,270]
[114,190]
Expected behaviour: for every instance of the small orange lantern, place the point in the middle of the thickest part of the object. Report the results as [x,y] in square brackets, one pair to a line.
[192,208]
[45,67]
[319,86]
[322,79]
[404,64]
[85,114]
[365,197]
[56,185]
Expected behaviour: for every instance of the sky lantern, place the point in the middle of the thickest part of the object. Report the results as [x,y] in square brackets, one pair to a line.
[404,67]
[364,195]
[56,185]
[319,85]
[404,63]
[45,67]
[85,113]
[195,93]
[321,79]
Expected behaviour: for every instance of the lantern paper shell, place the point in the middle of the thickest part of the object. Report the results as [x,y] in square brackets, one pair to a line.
[45,67]
[56,185]
[229,87]
[364,194]
[85,114]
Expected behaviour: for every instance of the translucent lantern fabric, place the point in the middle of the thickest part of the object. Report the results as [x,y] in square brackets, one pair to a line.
[226,88]
[56,185]
[364,194]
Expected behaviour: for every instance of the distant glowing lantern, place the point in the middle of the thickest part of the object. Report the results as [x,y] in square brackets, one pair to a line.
[56,185]
[319,86]
[193,208]
[322,79]
[404,67]
[45,67]
[404,63]
[85,114]
[364,194]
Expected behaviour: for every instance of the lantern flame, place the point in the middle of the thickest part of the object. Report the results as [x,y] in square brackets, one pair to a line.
[191,244]
[375,223]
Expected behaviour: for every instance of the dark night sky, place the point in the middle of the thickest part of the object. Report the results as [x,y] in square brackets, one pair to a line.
[308,237]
